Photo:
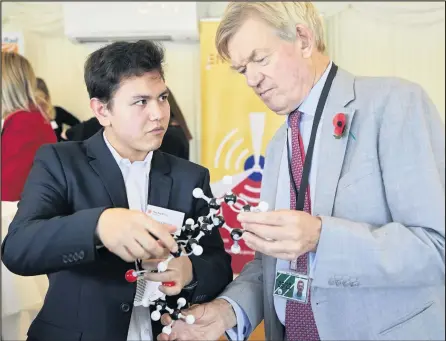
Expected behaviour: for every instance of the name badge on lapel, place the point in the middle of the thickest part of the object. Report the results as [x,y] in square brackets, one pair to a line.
[292,286]
[165,216]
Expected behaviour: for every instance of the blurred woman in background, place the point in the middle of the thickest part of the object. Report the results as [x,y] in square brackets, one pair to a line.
[177,137]
[26,123]
[61,116]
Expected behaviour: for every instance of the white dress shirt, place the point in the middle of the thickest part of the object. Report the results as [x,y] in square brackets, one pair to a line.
[136,179]
[308,108]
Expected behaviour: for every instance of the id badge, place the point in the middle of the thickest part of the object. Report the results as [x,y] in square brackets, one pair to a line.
[165,216]
[292,286]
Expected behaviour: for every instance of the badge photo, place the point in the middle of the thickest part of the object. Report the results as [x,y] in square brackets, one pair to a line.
[292,286]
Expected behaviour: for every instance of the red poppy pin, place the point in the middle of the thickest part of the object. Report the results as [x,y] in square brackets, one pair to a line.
[339,122]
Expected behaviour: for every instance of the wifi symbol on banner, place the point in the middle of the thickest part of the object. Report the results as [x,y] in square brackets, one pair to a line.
[248,163]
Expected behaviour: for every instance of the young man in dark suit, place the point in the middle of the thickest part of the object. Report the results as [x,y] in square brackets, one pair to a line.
[81,219]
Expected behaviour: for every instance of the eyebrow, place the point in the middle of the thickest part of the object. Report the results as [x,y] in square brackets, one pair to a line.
[250,58]
[165,92]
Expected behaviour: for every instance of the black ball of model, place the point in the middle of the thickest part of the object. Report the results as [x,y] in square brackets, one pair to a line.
[246,208]
[176,314]
[190,245]
[213,204]
[236,234]
[230,199]
[218,221]
[161,303]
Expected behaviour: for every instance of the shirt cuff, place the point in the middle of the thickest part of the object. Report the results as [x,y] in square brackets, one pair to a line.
[313,257]
[243,327]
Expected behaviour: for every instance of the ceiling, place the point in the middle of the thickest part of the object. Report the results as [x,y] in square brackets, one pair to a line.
[44,11]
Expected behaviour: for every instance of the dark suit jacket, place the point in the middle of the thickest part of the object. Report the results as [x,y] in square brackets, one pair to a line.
[63,117]
[175,142]
[69,186]
[84,130]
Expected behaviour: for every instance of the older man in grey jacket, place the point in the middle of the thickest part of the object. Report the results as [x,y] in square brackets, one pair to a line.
[353,248]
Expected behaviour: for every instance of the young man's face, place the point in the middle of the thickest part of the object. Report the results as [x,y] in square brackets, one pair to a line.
[138,115]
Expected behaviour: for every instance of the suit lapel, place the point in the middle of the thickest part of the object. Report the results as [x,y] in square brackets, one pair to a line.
[269,193]
[160,182]
[272,168]
[332,150]
[104,164]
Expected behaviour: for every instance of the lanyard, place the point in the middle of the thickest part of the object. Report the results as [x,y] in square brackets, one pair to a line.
[300,195]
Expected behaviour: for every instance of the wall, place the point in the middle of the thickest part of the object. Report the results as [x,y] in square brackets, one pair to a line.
[358,42]
[367,46]
[60,62]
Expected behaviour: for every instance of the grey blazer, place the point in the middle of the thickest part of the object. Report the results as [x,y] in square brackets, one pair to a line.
[380,268]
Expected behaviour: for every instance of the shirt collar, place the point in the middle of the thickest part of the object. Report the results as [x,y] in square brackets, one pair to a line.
[309,105]
[122,161]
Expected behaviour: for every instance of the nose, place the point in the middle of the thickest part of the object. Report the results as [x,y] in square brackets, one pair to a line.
[155,112]
[253,76]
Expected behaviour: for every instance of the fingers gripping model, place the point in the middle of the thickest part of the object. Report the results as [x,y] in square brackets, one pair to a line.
[188,239]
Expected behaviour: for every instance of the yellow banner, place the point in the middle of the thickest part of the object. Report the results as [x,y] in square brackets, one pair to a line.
[236,128]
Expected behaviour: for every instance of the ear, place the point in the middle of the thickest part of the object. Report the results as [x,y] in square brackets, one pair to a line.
[306,39]
[101,111]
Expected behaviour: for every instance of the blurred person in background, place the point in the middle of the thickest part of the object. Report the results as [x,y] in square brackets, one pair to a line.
[177,137]
[26,125]
[61,116]
[83,131]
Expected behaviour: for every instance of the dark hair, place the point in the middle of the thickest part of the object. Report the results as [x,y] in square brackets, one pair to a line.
[107,67]
[176,115]
[41,85]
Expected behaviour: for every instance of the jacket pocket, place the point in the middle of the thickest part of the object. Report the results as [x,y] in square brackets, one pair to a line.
[42,330]
[407,318]
[357,174]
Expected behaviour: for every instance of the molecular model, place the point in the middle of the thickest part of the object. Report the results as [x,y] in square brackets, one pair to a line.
[188,239]
[215,217]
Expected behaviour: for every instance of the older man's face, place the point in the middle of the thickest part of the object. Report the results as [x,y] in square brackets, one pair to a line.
[277,70]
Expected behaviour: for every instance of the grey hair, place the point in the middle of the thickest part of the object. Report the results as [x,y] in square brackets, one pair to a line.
[282,16]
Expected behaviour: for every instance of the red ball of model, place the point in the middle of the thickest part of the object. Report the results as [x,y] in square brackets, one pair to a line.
[130,276]
[168,284]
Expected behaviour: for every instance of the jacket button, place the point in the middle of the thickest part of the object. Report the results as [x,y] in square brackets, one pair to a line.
[81,254]
[125,307]
[65,259]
